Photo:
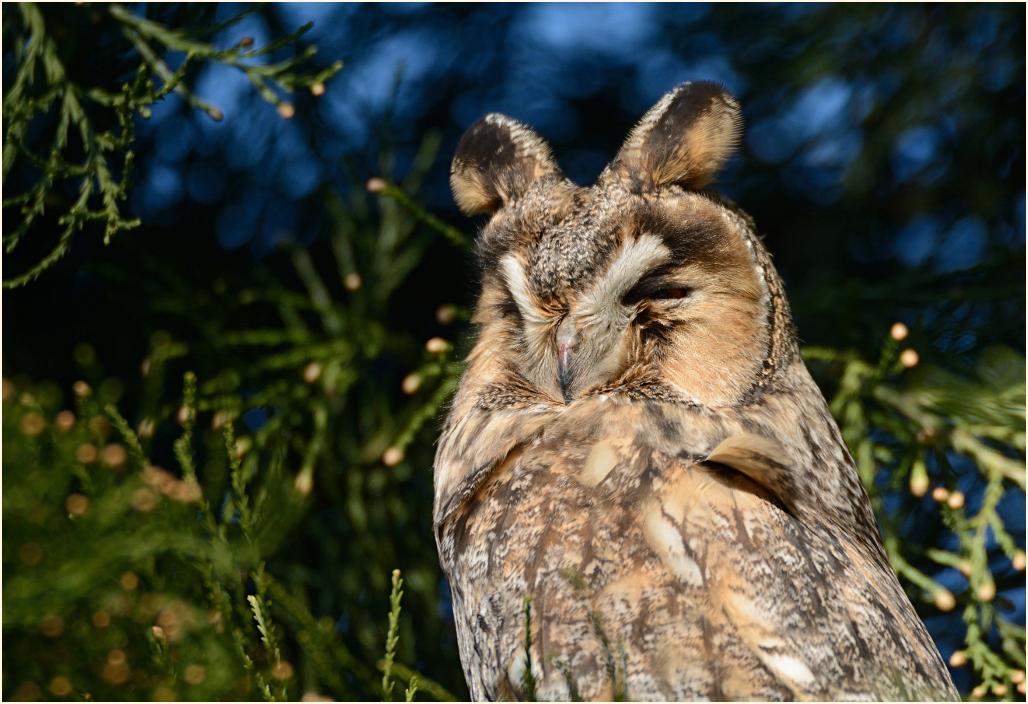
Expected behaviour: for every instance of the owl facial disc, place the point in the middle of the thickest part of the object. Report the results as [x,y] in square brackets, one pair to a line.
[644,275]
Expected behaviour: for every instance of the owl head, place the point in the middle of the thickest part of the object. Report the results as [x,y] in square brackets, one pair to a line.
[647,279]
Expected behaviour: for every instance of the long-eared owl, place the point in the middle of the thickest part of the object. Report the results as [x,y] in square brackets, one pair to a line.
[637,446]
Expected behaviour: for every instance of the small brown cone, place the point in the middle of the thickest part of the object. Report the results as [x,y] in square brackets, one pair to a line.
[944,600]
[437,345]
[899,331]
[909,358]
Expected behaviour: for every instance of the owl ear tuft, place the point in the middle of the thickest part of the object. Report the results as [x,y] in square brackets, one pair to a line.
[686,138]
[497,159]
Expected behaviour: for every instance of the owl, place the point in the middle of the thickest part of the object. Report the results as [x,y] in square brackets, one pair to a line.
[640,492]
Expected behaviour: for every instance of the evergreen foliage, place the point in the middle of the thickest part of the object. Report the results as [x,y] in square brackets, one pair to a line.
[293,410]
[306,356]
[78,149]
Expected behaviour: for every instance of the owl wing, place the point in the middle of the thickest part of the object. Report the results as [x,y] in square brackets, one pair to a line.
[656,575]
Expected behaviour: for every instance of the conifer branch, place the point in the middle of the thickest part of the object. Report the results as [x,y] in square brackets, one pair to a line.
[392,636]
[76,106]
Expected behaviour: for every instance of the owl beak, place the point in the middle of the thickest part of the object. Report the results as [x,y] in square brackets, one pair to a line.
[567,336]
[564,370]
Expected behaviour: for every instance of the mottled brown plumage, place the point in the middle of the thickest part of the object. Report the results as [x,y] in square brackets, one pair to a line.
[637,445]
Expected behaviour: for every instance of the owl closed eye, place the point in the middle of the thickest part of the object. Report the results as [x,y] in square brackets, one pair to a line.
[637,445]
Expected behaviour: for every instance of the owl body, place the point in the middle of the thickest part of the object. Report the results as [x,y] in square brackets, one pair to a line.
[637,446]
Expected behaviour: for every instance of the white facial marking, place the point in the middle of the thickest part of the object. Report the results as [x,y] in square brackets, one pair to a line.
[637,257]
[517,283]
[538,360]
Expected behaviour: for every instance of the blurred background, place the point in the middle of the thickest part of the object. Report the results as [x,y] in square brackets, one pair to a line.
[883,162]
